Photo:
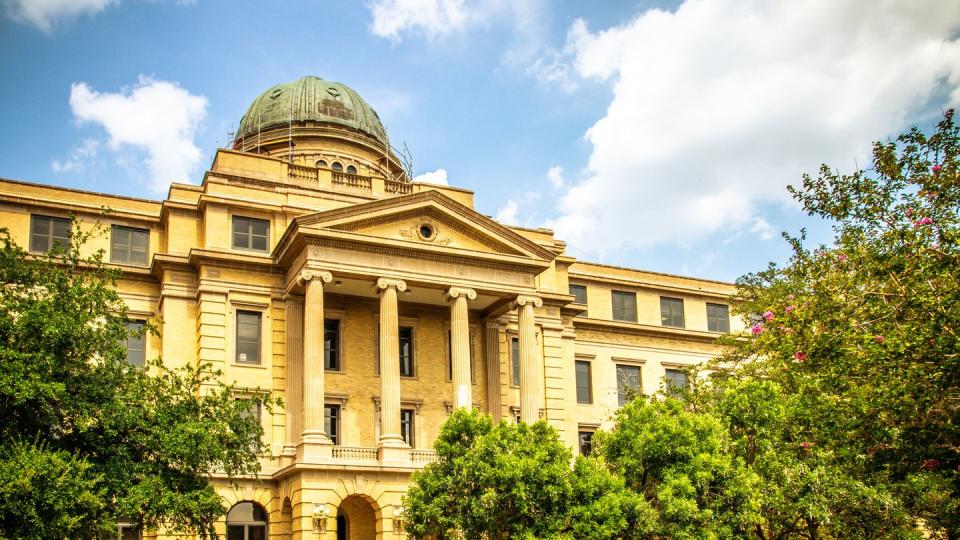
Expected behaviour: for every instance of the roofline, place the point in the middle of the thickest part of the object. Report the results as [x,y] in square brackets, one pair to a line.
[654,272]
[88,192]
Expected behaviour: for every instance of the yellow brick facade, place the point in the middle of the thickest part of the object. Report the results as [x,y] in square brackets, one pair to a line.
[358,230]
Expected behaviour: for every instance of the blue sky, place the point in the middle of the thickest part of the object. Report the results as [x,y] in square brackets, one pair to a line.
[658,135]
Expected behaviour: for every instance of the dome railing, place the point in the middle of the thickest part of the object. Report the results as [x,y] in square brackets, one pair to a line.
[354,181]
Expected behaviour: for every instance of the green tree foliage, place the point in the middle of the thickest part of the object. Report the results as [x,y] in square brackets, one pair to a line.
[854,363]
[506,481]
[86,438]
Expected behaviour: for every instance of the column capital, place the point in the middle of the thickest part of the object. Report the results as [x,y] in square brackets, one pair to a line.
[385,283]
[456,292]
[321,275]
[525,299]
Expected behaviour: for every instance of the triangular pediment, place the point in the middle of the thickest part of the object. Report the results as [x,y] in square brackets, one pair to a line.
[428,219]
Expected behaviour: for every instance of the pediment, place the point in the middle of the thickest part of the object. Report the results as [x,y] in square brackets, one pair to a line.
[426,219]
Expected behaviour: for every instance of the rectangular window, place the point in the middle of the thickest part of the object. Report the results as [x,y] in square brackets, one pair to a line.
[136,343]
[586,442]
[47,233]
[584,382]
[406,426]
[676,379]
[331,344]
[331,422]
[406,351]
[248,337]
[129,245]
[252,410]
[579,293]
[671,312]
[515,360]
[718,318]
[628,383]
[624,306]
[250,233]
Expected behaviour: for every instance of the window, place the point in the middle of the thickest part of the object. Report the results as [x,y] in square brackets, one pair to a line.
[337,166]
[405,335]
[331,422]
[718,318]
[676,379]
[129,245]
[628,383]
[671,312]
[247,521]
[515,357]
[47,233]
[406,426]
[136,343]
[624,306]
[586,442]
[351,169]
[584,383]
[127,530]
[248,337]
[252,410]
[322,164]
[579,293]
[331,344]
[249,233]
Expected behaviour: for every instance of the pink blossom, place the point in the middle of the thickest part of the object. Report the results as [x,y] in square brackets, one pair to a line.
[806,444]
[756,329]
[935,245]
[790,309]
[788,330]
[909,212]
[937,168]
[923,221]
[768,315]
[878,339]
[842,258]
[790,297]
[800,356]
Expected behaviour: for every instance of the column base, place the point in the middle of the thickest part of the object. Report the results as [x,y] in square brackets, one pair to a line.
[315,447]
[391,450]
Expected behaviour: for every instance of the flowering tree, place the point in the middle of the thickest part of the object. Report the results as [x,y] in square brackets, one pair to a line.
[859,340]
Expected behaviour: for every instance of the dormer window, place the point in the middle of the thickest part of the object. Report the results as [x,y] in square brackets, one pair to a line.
[321,164]
[351,169]
[337,166]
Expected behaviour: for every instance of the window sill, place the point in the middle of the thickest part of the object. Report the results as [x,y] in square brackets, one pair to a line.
[243,365]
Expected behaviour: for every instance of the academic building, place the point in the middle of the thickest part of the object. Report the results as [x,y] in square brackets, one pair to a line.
[307,265]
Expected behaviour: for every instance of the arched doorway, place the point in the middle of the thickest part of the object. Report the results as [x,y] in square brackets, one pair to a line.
[247,521]
[356,519]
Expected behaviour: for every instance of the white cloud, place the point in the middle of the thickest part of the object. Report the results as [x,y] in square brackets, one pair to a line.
[720,104]
[762,228]
[45,14]
[555,176]
[157,117]
[438,177]
[431,18]
[508,214]
[79,157]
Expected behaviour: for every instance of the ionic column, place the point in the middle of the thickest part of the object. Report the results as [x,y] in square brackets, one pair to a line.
[460,346]
[530,399]
[313,429]
[389,362]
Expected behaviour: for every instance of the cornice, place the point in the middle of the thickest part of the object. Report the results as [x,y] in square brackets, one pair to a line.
[644,330]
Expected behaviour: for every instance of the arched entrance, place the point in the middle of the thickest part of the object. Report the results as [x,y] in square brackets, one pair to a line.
[247,521]
[356,519]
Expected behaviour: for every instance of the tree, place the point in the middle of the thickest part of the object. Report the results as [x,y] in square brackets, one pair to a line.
[862,336]
[87,438]
[514,481]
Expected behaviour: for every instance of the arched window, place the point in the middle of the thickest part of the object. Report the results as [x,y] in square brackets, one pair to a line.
[337,166]
[247,521]
[321,163]
[351,169]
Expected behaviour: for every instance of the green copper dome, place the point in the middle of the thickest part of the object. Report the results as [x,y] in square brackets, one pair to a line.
[311,98]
